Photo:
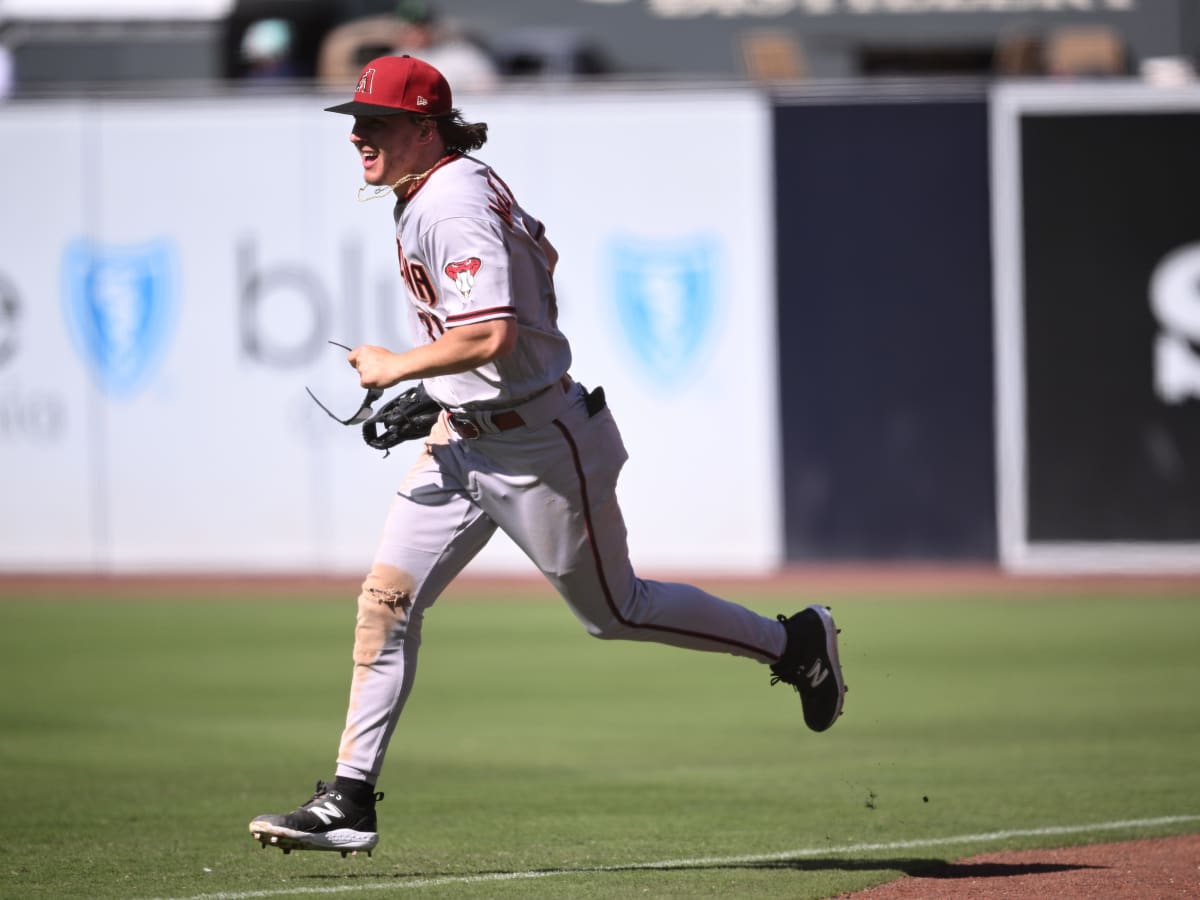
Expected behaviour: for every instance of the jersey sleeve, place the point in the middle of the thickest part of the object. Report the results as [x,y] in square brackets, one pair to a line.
[471,270]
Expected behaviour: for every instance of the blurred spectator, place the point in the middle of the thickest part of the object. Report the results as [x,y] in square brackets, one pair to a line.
[8,67]
[548,52]
[267,49]
[1019,54]
[413,28]
[1086,51]
[351,45]
[425,36]
[772,55]
[305,23]
[1168,71]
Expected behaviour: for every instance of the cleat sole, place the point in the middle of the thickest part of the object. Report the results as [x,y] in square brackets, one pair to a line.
[343,841]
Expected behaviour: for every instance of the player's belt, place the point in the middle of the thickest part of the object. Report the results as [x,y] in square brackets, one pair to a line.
[467,425]
[535,413]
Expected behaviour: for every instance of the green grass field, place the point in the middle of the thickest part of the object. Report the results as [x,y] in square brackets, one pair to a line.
[139,736]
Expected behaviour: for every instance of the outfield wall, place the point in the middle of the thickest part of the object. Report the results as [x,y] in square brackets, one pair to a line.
[838,322]
[989,306]
[171,272]
[1097,249]
[883,272]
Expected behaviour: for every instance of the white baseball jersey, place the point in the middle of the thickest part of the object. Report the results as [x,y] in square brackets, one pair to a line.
[470,253]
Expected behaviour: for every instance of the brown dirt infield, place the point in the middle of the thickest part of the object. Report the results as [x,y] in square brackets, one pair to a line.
[1158,869]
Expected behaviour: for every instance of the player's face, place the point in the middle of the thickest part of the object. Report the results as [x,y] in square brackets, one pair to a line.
[389,146]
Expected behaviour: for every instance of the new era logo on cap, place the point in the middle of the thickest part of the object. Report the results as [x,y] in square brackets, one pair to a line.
[395,84]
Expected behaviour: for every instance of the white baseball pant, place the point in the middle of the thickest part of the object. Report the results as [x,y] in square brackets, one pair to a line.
[552,489]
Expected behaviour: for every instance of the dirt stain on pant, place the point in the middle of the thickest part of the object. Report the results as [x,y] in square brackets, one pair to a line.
[383,606]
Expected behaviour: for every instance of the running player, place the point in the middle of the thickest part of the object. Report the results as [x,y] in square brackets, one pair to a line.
[521,447]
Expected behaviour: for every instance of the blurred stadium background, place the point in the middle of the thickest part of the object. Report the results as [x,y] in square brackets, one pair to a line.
[866,281]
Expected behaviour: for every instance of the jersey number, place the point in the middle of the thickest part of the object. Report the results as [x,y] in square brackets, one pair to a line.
[418,281]
[420,285]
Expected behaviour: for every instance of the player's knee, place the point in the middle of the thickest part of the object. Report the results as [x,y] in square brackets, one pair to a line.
[383,608]
[619,621]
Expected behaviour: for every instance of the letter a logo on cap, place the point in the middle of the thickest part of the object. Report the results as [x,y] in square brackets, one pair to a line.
[405,84]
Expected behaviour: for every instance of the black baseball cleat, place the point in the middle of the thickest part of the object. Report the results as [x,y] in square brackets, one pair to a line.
[329,821]
[810,665]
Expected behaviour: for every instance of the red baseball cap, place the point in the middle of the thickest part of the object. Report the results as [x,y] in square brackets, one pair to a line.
[390,85]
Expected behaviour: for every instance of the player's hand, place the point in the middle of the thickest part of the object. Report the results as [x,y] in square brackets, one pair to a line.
[377,367]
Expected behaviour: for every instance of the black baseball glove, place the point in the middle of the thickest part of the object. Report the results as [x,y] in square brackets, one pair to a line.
[406,417]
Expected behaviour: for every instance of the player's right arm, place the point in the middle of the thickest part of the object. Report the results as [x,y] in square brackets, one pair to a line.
[459,349]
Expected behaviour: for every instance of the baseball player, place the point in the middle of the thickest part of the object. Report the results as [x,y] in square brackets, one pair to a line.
[520,446]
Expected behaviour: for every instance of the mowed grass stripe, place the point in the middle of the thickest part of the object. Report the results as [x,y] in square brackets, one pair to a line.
[139,738]
[985,838]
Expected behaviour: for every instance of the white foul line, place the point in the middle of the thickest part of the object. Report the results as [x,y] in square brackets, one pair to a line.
[986,837]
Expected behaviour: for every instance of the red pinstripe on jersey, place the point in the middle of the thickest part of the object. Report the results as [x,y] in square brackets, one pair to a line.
[480,315]
[608,597]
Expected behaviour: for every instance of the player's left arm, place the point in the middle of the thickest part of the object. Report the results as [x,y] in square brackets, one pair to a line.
[459,349]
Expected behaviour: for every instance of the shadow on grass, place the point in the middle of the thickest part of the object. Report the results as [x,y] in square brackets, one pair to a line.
[921,868]
[916,867]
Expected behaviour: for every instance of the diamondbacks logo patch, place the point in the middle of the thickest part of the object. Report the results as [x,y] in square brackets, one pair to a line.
[462,272]
[365,81]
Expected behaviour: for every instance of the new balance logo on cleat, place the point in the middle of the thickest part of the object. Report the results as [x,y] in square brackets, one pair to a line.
[328,821]
[327,812]
[809,659]
[816,674]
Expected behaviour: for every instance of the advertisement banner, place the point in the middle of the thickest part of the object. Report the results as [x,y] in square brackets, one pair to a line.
[885,328]
[1098,325]
[173,271]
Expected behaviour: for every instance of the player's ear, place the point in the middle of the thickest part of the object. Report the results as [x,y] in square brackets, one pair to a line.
[427,128]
